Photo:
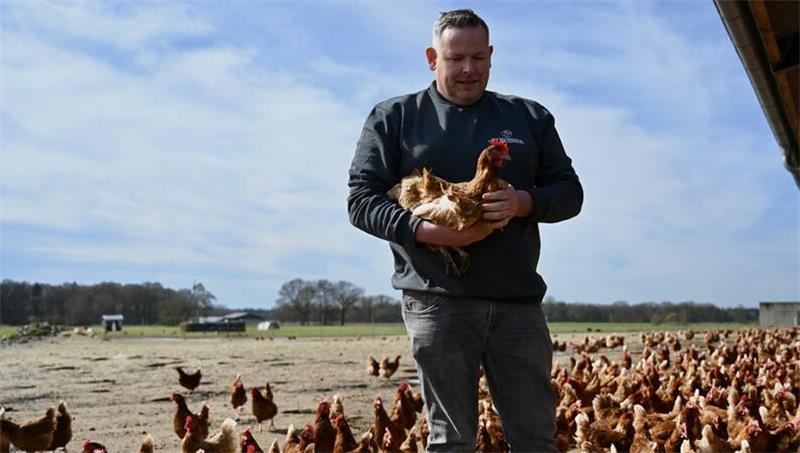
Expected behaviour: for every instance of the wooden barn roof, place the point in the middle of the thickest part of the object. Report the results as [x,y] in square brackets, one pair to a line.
[765,35]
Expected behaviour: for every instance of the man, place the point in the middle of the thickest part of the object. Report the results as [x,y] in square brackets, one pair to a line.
[491,314]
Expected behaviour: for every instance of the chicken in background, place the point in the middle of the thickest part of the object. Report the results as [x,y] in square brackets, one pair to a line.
[365,444]
[337,407]
[273,448]
[345,441]
[642,442]
[483,443]
[324,432]
[222,442]
[90,446]
[292,437]
[382,421]
[410,444]
[419,403]
[182,411]
[403,408]
[63,433]
[299,441]
[237,395]
[495,426]
[373,367]
[424,431]
[263,406]
[711,443]
[756,438]
[147,445]
[387,367]
[248,443]
[5,443]
[33,435]
[389,442]
[189,381]
[455,205]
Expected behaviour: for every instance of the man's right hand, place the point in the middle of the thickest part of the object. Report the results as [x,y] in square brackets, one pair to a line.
[432,234]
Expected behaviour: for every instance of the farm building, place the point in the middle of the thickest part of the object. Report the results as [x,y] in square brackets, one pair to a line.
[112,323]
[247,318]
[779,313]
[209,319]
[239,316]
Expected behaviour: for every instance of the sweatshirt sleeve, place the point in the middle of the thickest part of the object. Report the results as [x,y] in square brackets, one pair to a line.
[558,194]
[373,172]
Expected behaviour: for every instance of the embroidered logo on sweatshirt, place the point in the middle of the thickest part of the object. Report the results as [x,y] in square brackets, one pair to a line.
[506,135]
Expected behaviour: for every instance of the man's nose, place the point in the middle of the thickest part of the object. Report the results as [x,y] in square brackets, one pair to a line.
[469,66]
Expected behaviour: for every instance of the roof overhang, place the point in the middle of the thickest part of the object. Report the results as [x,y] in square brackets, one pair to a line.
[766,37]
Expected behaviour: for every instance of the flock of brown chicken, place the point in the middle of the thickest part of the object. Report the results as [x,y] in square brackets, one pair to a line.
[329,433]
[727,392]
[732,392]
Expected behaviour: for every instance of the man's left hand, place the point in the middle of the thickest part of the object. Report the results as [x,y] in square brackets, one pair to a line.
[503,205]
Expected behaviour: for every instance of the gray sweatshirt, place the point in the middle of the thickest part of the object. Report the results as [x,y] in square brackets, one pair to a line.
[425,130]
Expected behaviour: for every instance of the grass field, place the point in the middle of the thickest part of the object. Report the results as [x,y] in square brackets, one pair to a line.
[388,329]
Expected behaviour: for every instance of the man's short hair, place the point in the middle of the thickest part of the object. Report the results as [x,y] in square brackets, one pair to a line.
[457,18]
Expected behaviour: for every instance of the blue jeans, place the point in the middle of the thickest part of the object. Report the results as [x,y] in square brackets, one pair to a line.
[451,337]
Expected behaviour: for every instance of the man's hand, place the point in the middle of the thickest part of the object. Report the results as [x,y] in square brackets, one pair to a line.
[432,234]
[503,205]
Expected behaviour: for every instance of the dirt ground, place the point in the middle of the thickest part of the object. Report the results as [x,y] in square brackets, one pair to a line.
[118,390]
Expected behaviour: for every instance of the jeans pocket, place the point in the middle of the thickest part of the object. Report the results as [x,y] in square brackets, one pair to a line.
[420,304]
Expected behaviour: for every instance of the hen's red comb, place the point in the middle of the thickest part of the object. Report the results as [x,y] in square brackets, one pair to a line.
[500,144]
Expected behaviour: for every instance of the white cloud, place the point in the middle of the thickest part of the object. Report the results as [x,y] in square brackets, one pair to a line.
[124,26]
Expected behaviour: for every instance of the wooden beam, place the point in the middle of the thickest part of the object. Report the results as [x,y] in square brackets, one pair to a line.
[782,78]
[761,16]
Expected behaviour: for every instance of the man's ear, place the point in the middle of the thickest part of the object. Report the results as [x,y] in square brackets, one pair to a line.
[430,54]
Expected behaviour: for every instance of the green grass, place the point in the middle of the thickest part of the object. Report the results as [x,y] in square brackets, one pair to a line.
[609,327]
[388,329]
[7,330]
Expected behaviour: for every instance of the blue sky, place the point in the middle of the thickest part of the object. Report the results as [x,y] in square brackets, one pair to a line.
[210,141]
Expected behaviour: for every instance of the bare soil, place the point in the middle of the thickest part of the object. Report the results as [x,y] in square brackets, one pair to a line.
[118,390]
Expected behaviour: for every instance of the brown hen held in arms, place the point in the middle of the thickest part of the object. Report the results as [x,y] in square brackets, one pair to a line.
[454,204]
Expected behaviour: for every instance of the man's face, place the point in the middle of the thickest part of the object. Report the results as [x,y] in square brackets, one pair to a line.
[461,62]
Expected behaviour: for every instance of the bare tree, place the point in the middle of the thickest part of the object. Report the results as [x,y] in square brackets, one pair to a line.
[299,295]
[345,296]
[370,304]
[325,301]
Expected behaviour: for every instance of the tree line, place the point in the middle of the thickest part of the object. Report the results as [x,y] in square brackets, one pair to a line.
[319,302]
[306,302]
[652,312]
[75,305]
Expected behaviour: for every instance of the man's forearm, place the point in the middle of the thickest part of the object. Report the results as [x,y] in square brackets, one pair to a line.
[432,234]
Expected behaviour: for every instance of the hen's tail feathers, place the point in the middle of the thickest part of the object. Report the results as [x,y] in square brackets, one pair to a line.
[456,259]
[147,444]
[394,192]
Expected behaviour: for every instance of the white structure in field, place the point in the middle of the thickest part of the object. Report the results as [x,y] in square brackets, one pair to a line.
[112,323]
[269,325]
[779,314]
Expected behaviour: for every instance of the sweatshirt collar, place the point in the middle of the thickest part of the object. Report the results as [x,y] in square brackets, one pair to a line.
[438,96]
